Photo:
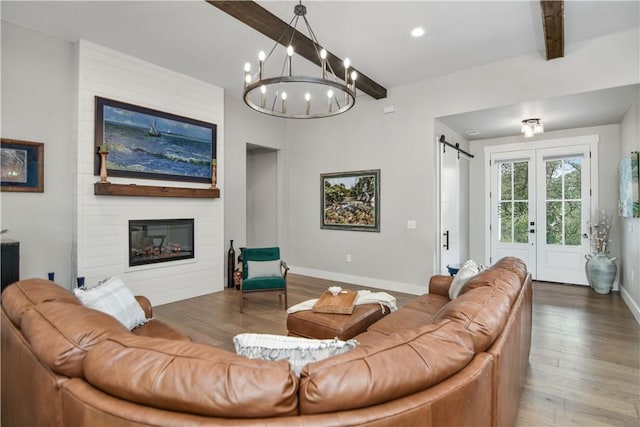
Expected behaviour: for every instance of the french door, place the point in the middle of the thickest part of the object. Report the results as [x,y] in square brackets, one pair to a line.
[513,207]
[540,203]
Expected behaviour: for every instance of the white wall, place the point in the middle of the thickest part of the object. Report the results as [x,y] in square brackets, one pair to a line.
[244,126]
[37,94]
[262,198]
[403,147]
[101,233]
[630,227]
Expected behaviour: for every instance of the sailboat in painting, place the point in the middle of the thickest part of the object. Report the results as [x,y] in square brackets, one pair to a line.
[153,130]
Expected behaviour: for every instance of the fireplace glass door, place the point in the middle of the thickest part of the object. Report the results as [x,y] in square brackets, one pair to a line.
[160,240]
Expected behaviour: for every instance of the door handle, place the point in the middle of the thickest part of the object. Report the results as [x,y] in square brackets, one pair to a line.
[446,240]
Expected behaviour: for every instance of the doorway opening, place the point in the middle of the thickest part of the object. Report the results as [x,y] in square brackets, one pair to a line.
[453,191]
[262,196]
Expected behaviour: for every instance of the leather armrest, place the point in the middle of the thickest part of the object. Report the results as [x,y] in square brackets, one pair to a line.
[146,306]
[439,284]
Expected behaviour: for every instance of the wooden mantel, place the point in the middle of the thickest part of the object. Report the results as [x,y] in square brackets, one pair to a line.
[108,189]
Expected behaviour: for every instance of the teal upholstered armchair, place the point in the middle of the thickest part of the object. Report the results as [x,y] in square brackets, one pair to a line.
[263,271]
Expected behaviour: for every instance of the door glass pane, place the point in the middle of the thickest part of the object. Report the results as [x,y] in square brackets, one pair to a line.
[506,225]
[572,230]
[554,223]
[506,174]
[554,180]
[573,182]
[521,180]
[563,201]
[521,222]
[514,202]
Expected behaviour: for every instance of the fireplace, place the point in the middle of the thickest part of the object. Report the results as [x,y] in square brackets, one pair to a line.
[160,240]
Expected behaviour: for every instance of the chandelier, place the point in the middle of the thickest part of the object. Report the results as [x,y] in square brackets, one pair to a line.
[297,96]
[531,127]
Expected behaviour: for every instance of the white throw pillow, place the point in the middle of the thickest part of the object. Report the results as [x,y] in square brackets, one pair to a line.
[298,351]
[466,272]
[263,269]
[114,298]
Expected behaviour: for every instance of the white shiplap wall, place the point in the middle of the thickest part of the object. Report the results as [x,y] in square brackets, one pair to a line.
[100,223]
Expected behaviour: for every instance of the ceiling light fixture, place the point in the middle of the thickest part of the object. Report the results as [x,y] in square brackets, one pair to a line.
[417,32]
[299,97]
[531,127]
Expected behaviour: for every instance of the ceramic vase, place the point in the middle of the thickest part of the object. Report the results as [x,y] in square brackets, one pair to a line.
[231,265]
[601,272]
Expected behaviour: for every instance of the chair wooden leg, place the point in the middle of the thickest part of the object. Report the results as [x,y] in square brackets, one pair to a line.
[286,305]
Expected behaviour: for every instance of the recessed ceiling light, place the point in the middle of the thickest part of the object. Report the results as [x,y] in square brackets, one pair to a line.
[473,132]
[417,32]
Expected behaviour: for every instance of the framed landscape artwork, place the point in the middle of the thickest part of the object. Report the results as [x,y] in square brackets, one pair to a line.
[629,186]
[22,166]
[350,200]
[151,144]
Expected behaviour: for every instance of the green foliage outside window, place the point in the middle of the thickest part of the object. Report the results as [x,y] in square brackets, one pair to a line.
[564,201]
[514,202]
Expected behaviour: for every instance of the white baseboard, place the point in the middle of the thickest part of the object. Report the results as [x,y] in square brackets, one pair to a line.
[635,310]
[386,285]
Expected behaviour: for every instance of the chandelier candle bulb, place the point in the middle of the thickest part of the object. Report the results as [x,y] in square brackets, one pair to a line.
[284,102]
[263,96]
[323,57]
[307,98]
[247,76]
[261,58]
[347,63]
[290,58]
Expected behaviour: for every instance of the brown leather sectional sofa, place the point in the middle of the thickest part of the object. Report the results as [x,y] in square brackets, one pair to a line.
[434,362]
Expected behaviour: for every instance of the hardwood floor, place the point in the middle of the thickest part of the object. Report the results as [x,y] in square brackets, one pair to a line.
[585,358]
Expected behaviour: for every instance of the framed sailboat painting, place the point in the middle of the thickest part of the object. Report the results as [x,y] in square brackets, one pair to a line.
[144,143]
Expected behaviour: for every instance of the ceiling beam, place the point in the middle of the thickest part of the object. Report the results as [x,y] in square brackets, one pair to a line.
[553,24]
[263,21]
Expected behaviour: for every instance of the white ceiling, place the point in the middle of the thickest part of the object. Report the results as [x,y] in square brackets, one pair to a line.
[595,108]
[194,38]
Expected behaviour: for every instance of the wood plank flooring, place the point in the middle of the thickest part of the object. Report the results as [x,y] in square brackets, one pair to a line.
[585,358]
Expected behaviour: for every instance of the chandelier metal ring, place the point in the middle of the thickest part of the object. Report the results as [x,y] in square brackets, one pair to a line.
[273,111]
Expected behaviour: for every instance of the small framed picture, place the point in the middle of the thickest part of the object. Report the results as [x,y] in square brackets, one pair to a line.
[629,186]
[350,200]
[21,166]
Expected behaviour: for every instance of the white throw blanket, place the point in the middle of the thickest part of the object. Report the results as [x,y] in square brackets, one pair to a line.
[364,297]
